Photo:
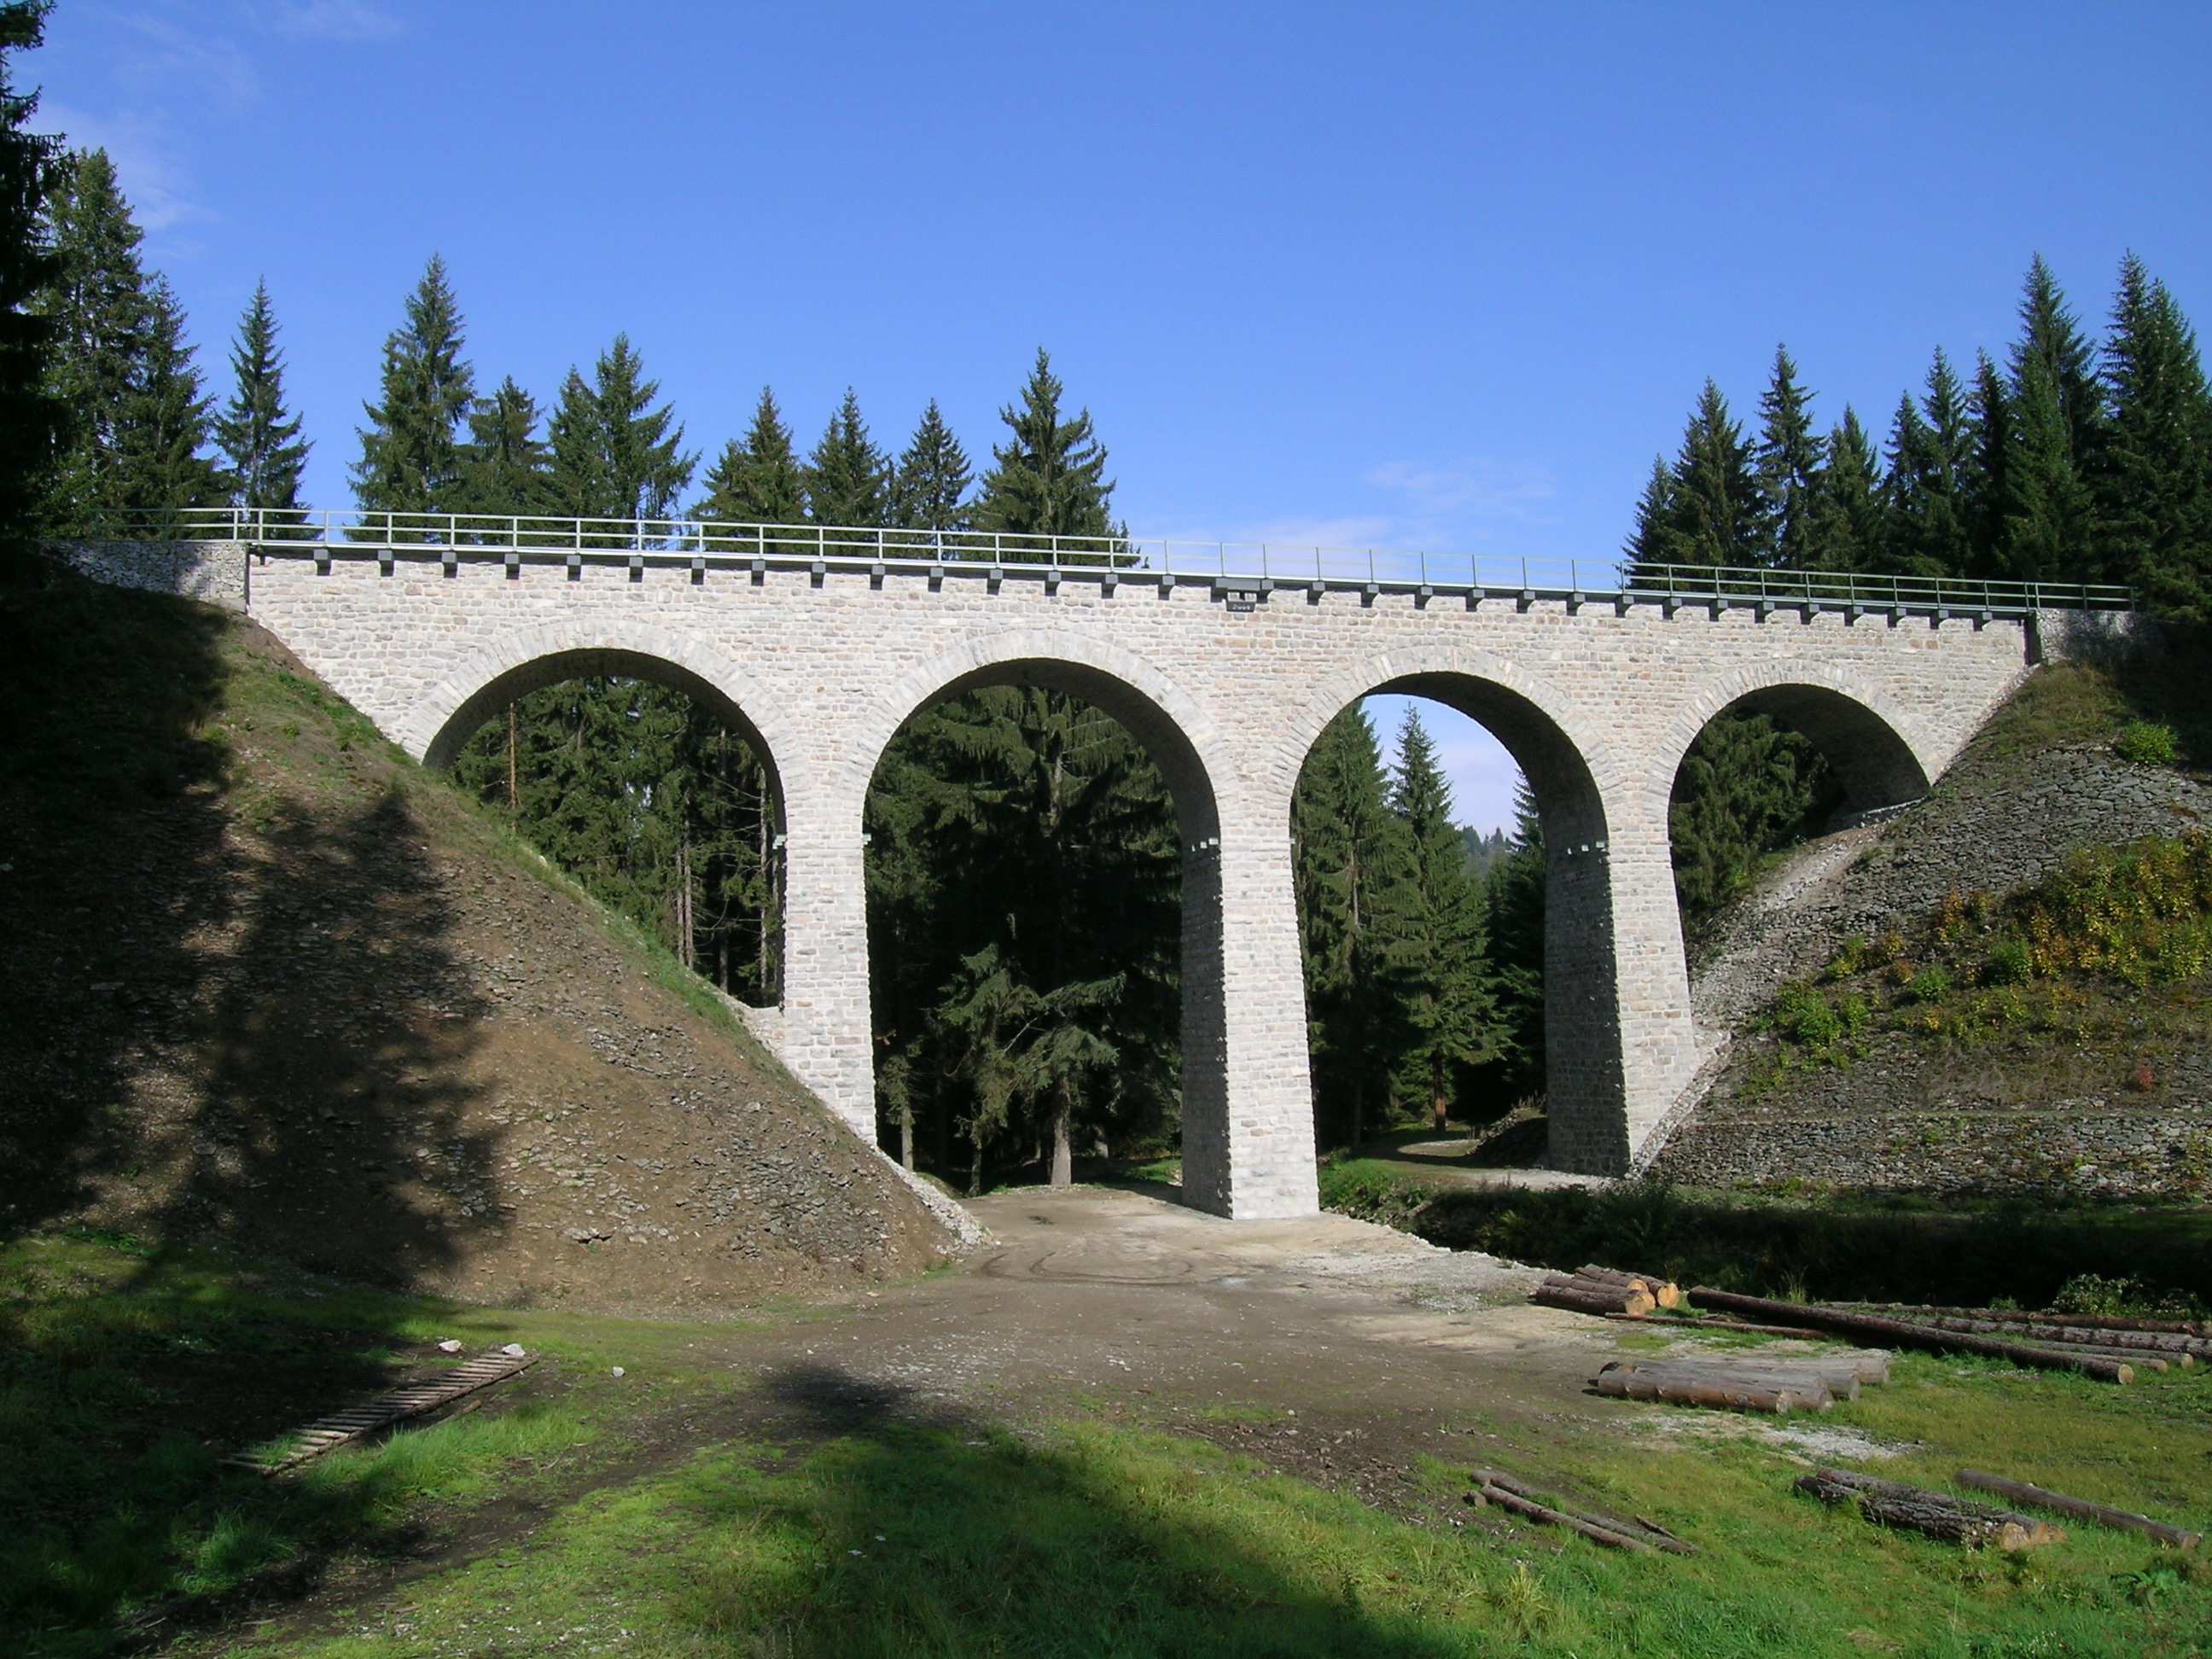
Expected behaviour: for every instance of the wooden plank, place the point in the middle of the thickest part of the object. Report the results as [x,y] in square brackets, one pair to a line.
[411,1399]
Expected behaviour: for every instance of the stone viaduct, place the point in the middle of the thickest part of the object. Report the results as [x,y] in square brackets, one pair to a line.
[1227,682]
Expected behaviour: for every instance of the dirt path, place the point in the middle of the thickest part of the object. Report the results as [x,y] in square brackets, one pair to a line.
[1328,1347]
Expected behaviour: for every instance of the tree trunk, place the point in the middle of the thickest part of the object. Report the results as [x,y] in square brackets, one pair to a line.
[1358,1110]
[513,792]
[1898,1332]
[905,1138]
[1063,1146]
[767,850]
[1436,1103]
[2020,1491]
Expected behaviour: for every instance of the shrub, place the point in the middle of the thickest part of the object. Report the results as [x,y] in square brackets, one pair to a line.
[1851,956]
[1803,1014]
[1930,984]
[2147,743]
[2009,962]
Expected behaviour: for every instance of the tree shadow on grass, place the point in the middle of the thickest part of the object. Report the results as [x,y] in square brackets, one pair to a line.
[236,1016]
[944,1534]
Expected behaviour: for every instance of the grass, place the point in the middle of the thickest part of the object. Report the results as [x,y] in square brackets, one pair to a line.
[128,1372]
[869,1527]
[1841,1245]
[1085,1539]
[2071,703]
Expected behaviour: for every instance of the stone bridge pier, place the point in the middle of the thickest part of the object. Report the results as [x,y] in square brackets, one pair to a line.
[820,665]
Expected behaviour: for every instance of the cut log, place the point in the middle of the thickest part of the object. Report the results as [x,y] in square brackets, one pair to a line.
[2140,1361]
[2091,1336]
[2200,1327]
[1898,1332]
[1933,1514]
[1659,1539]
[1585,1295]
[1551,1517]
[1841,1382]
[1750,1329]
[1718,1395]
[1664,1291]
[2020,1491]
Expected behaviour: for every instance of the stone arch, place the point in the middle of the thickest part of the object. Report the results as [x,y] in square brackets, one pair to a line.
[532,659]
[1176,731]
[1226,1169]
[1874,743]
[1584,794]
[1573,769]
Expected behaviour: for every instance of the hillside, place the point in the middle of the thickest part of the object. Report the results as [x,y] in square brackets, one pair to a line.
[273,986]
[1871,1024]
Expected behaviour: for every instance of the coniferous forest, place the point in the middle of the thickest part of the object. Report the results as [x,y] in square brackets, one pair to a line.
[1023,863]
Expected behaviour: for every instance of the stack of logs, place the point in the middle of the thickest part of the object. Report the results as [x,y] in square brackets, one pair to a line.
[1636,1535]
[1595,1290]
[1753,1382]
[2108,1349]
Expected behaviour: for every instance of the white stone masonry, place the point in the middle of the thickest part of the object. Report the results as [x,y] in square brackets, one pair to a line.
[819,670]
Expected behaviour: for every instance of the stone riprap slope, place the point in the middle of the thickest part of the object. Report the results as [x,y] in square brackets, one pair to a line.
[272,985]
[2020,1111]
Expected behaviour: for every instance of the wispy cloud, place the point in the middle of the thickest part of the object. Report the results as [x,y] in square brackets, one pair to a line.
[333,20]
[1485,489]
[145,156]
[165,60]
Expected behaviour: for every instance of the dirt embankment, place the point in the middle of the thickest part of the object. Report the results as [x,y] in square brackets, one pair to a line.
[270,984]
[2028,1108]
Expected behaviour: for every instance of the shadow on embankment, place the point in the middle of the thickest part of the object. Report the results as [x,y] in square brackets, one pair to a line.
[235,1013]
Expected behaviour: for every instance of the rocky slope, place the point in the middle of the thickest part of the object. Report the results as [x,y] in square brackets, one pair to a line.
[2033,1109]
[270,984]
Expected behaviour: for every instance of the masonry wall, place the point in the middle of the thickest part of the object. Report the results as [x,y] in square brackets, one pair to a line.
[1598,705]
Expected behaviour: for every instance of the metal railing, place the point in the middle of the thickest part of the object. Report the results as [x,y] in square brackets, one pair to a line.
[325,533]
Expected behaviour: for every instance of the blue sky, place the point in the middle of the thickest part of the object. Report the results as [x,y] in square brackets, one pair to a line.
[1412,275]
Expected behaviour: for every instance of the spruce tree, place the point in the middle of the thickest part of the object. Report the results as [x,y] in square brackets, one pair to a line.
[2047,529]
[1925,532]
[1789,466]
[504,463]
[2154,475]
[1745,788]
[847,478]
[165,426]
[100,316]
[612,454]
[1986,484]
[1451,1007]
[410,453]
[1351,854]
[1514,905]
[1921,533]
[2050,335]
[30,414]
[756,479]
[255,431]
[1650,539]
[929,488]
[1049,478]
[1848,504]
[645,468]
[1718,514]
